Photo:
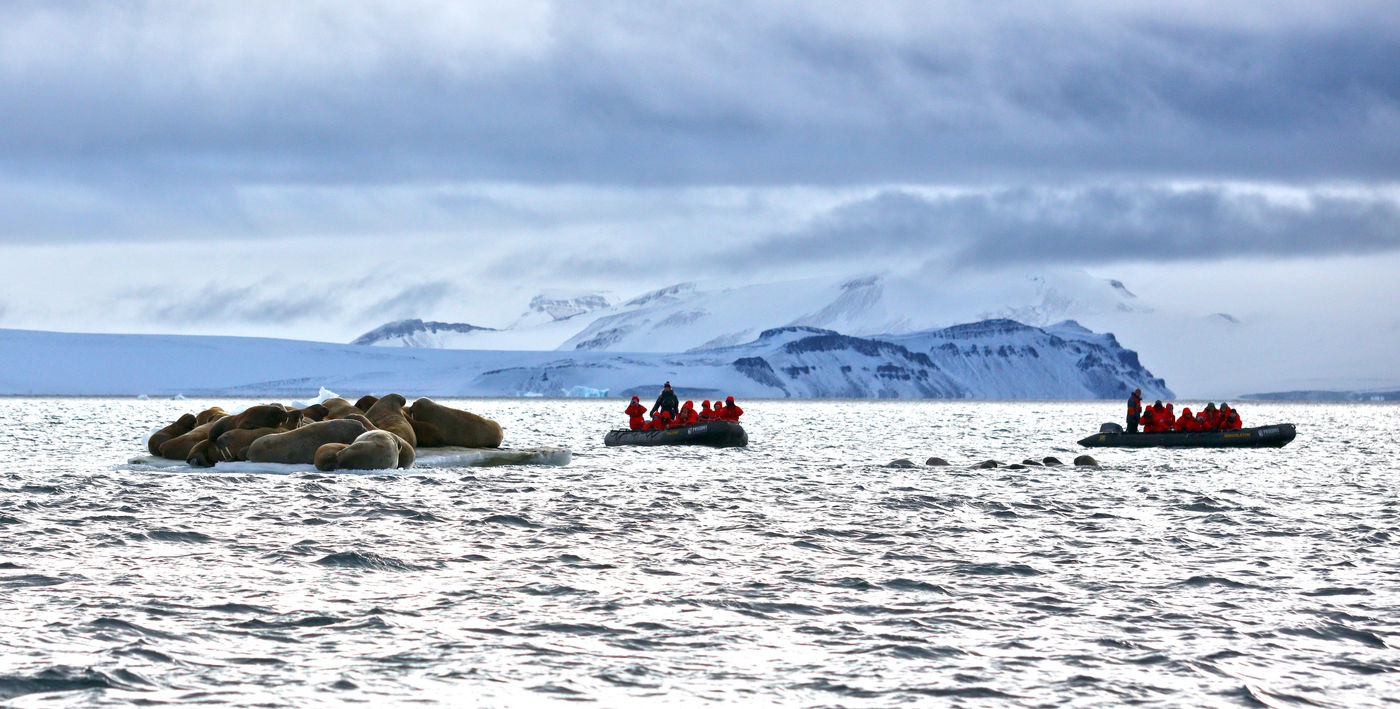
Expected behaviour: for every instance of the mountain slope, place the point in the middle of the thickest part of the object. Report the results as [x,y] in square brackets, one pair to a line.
[995,359]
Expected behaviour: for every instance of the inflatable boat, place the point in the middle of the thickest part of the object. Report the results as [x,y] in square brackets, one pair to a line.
[720,434]
[1113,436]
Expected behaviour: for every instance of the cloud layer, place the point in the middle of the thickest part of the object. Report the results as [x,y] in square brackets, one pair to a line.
[644,92]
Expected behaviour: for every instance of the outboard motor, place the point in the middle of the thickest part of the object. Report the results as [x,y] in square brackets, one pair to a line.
[1110,428]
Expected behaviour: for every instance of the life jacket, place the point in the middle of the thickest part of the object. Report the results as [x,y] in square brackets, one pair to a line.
[1134,405]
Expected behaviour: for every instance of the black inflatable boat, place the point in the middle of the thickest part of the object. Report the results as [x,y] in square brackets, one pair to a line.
[1275,436]
[720,434]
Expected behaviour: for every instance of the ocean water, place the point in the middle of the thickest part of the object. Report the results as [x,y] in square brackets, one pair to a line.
[797,572]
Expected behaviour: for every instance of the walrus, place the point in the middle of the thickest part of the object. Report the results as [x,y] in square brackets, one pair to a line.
[300,446]
[233,445]
[182,425]
[179,447]
[261,416]
[210,414]
[387,414]
[437,425]
[314,412]
[338,408]
[365,402]
[203,455]
[372,450]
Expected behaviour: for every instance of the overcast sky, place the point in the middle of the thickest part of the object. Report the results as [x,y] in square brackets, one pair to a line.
[316,168]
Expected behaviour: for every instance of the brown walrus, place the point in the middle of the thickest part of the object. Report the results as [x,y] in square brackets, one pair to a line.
[387,414]
[314,412]
[203,455]
[261,416]
[338,408]
[366,402]
[179,447]
[437,425]
[210,414]
[234,444]
[182,425]
[299,446]
[372,450]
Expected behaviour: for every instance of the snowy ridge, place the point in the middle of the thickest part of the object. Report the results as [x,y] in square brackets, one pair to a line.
[993,359]
[696,317]
[413,333]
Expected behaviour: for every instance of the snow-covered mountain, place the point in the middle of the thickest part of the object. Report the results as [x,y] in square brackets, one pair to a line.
[416,333]
[695,316]
[990,359]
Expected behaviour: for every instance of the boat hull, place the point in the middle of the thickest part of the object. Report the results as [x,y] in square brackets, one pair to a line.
[1275,436]
[718,434]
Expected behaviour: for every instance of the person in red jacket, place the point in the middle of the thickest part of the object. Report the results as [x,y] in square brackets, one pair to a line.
[1170,418]
[687,415]
[730,412]
[1224,415]
[705,413]
[659,421]
[1187,422]
[1148,420]
[634,412]
[1234,424]
[1211,416]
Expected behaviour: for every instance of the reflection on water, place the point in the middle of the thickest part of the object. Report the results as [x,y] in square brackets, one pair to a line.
[798,571]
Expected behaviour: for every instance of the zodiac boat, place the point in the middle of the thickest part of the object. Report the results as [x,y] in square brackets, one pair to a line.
[1111,435]
[719,434]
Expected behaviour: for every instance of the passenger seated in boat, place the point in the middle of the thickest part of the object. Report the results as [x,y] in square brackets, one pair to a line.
[1156,419]
[1170,418]
[634,412]
[1148,420]
[687,415]
[1212,416]
[705,413]
[660,421]
[1187,422]
[1230,419]
[730,412]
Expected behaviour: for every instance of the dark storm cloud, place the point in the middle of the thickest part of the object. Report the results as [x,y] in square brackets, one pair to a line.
[641,93]
[266,302]
[1095,224]
[412,301]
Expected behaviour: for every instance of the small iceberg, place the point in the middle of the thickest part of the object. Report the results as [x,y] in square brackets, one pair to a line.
[583,392]
[320,398]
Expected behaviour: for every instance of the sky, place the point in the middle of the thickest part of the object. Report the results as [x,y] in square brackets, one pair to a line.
[314,169]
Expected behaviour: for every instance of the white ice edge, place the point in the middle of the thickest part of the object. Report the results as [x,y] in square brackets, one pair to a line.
[427,458]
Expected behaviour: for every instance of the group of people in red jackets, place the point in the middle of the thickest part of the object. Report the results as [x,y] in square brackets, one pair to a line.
[665,414]
[1158,418]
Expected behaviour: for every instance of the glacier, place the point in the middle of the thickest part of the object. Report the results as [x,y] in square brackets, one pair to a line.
[996,358]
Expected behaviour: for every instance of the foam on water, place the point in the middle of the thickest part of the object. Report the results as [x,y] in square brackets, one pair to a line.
[799,571]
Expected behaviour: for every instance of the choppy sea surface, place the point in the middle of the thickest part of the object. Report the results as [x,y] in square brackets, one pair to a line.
[797,572]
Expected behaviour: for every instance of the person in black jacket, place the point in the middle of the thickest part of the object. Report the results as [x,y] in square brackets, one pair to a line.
[667,401]
[1134,410]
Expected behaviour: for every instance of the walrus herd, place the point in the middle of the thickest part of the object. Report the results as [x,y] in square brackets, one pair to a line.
[374,433]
